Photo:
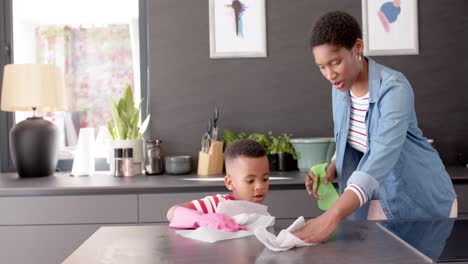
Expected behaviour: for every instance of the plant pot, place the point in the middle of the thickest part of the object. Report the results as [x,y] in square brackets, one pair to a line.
[138,156]
[312,151]
[286,162]
[273,161]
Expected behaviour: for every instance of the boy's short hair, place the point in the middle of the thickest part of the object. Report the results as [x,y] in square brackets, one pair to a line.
[337,28]
[244,147]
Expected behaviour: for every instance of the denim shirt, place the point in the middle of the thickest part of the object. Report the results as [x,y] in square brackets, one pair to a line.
[400,168]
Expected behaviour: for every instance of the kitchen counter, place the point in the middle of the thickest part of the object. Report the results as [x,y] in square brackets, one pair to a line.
[353,242]
[104,183]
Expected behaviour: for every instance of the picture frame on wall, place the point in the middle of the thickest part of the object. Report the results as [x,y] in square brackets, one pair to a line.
[390,27]
[237,28]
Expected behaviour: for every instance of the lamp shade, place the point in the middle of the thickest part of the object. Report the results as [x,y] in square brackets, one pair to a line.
[28,86]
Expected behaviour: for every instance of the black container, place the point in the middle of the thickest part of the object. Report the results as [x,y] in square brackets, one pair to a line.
[286,162]
[34,147]
[273,161]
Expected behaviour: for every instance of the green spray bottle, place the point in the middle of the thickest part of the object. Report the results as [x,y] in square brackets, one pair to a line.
[327,192]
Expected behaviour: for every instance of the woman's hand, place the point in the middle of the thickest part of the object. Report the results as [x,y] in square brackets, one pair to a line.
[312,180]
[318,229]
[321,228]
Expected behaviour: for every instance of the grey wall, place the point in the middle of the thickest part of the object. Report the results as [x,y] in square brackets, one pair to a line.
[285,92]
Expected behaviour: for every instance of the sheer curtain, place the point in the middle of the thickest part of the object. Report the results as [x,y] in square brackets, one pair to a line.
[98,64]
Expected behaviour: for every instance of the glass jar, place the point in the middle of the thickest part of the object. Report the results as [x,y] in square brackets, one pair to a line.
[118,162]
[128,162]
[153,157]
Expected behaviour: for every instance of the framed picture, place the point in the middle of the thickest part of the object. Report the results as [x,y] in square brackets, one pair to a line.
[237,28]
[390,27]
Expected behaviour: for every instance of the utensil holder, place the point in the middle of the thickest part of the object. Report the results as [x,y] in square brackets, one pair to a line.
[212,162]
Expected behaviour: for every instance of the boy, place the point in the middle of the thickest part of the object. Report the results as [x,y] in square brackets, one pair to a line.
[247,176]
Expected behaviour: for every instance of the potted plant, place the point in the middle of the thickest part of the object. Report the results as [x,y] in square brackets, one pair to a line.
[125,130]
[266,143]
[287,156]
[229,136]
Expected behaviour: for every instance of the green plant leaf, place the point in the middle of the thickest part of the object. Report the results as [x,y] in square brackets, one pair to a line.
[242,135]
[260,138]
[126,117]
[143,127]
[128,101]
[118,124]
[229,137]
[110,129]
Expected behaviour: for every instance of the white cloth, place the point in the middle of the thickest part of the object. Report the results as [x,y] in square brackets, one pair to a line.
[285,239]
[250,215]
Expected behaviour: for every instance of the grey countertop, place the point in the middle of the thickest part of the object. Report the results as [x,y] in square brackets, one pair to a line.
[353,242]
[104,183]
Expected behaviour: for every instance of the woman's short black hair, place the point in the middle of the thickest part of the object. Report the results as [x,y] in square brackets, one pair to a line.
[244,147]
[337,28]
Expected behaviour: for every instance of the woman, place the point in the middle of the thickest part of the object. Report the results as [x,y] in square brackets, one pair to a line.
[385,167]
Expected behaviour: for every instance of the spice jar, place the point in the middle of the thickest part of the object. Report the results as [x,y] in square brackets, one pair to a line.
[118,162]
[153,158]
[128,162]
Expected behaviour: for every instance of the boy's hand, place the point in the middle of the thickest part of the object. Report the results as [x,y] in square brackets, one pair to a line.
[312,181]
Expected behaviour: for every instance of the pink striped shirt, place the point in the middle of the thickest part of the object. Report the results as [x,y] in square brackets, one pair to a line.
[357,135]
[209,204]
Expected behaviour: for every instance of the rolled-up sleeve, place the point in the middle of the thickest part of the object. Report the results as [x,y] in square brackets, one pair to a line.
[395,107]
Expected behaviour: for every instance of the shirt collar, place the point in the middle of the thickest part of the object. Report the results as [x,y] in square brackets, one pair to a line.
[374,80]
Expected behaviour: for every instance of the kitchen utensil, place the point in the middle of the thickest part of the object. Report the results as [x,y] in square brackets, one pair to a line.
[214,134]
[206,138]
[178,164]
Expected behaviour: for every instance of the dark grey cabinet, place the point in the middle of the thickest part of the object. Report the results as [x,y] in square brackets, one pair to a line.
[462,198]
[152,208]
[74,209]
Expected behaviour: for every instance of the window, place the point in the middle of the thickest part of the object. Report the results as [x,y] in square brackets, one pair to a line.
[97,45]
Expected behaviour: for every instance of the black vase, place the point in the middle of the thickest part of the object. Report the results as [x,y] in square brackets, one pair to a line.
[286,162]
[273,161]
[34,146]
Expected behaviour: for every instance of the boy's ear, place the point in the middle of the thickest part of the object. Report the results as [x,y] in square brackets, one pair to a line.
[228,182]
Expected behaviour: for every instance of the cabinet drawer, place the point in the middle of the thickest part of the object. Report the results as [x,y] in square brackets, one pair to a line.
[69,209]
[153,207]
[462,197]
[281,204]
[291,204]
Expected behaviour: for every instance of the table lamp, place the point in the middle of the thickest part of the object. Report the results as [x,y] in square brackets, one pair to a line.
[34,141]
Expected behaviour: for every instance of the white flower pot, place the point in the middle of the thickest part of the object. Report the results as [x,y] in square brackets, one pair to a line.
[138,155]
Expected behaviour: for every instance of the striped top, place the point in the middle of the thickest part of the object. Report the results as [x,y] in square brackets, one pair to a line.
[357,136]
[209,204]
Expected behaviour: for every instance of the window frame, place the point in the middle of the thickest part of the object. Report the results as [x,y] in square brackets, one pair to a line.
[7,118]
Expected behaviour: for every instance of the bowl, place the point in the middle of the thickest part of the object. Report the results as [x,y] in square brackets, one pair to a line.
[178,164]
[311,151]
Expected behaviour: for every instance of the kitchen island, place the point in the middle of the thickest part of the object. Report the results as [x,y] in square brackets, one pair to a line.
[353,242]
